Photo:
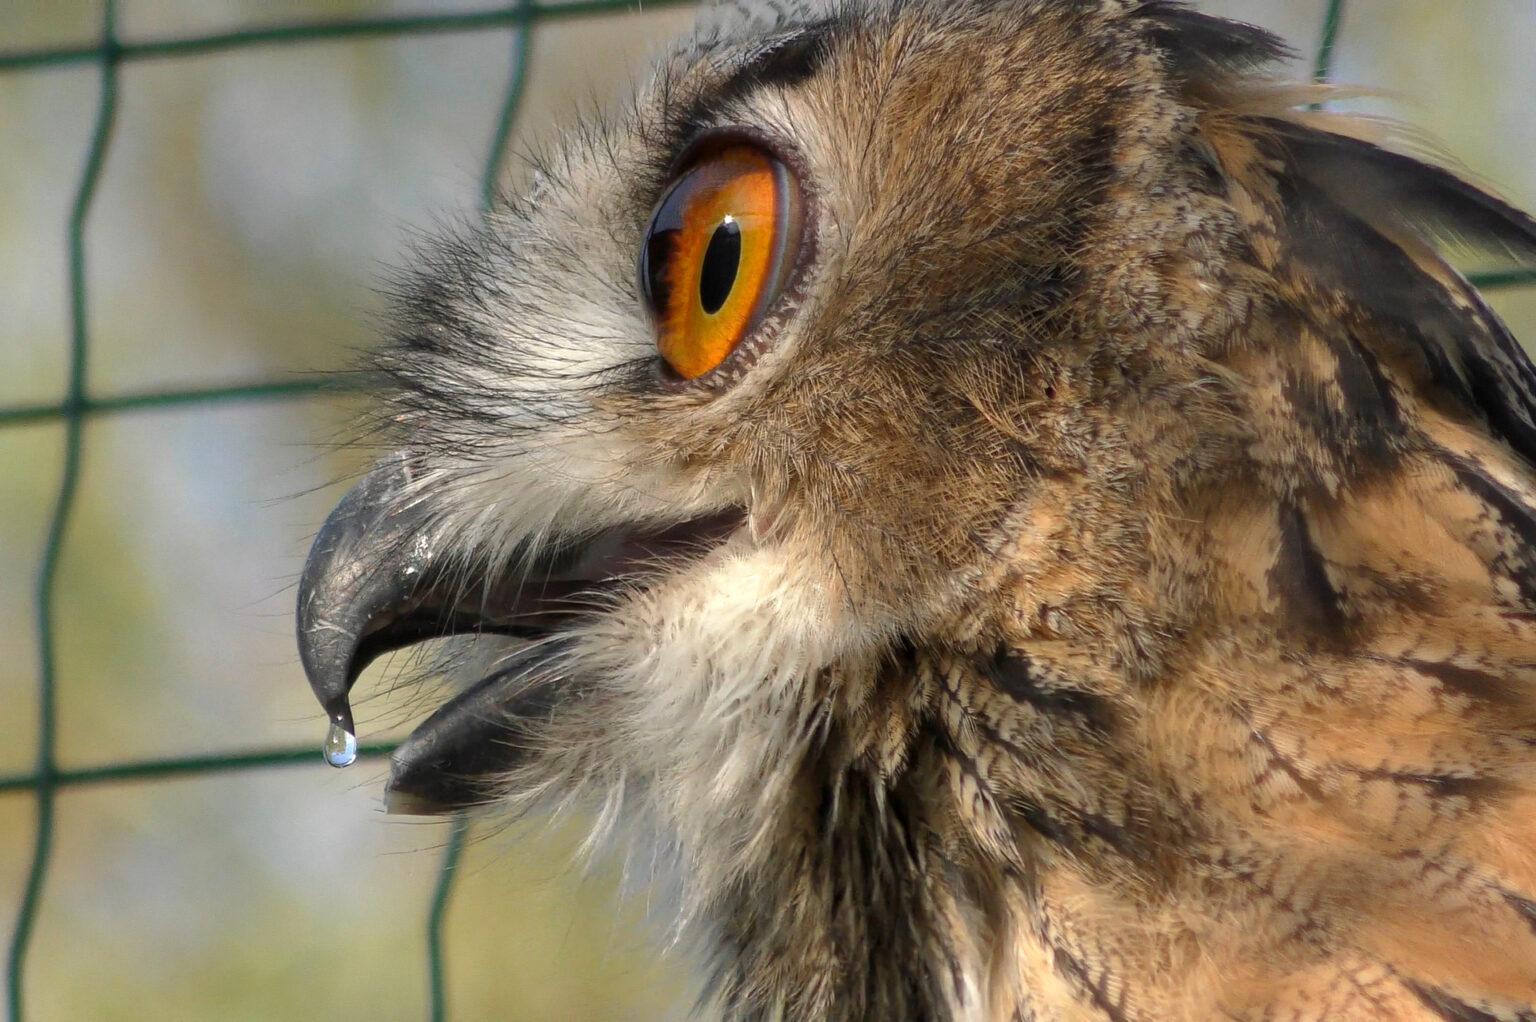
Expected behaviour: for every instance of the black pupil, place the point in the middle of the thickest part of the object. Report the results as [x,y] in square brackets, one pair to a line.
[722,260]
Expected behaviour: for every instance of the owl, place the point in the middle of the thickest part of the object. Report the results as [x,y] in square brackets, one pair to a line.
[1001,505]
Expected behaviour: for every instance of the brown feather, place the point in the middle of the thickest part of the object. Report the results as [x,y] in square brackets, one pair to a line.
[1183,496]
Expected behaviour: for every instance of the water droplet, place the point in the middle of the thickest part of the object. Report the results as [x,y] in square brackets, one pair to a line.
[340,745]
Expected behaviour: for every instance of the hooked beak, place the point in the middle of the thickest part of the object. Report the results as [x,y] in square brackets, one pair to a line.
[376,582]
[380,577]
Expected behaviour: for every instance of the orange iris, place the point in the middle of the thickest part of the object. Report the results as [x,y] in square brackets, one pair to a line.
[716,255]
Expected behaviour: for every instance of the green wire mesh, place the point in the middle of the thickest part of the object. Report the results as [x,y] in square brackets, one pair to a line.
[49,777]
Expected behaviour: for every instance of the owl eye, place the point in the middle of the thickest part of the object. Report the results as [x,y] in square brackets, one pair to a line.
[719,250]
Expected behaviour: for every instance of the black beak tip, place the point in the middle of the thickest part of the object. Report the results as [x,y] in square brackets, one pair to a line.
[442,768]
[327,658]
[425,793]
[372,584]
[362,565]
[455,759]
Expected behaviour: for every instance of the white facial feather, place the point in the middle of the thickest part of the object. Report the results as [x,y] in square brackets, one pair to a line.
[702,685]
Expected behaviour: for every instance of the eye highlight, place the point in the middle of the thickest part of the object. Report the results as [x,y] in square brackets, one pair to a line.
[720,248]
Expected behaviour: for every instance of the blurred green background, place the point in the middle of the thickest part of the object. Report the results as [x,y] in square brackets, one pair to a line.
[250,201]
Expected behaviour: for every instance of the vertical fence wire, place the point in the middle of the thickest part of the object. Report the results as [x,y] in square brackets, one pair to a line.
[454,852]
[437,980]
[48,778]
[58,525]
[1333,23]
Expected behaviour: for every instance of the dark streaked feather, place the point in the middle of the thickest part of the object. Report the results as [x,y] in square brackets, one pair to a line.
[1346,203]
[1199,46]
[1382,185]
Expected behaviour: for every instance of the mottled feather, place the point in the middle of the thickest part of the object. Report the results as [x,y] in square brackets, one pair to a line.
[1139,620]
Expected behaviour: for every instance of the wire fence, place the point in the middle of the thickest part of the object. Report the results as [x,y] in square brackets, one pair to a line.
[49,777]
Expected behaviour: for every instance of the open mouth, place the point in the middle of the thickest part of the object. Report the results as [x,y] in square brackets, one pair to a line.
[379,579]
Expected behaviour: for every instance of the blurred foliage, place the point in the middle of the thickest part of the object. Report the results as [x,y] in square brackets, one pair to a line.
[250,202]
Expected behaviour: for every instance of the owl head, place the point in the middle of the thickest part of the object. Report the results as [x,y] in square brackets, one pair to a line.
[975,482]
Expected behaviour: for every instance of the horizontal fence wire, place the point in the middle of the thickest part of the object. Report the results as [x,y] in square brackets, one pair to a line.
[49,778]
[182,766]
[514,15]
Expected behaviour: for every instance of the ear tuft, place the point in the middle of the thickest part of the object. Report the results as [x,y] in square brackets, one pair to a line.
[1389,188]
[1368,223]
[1198,46]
